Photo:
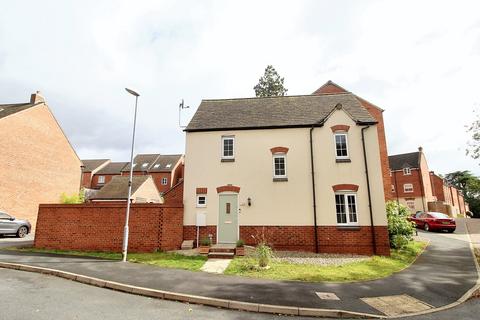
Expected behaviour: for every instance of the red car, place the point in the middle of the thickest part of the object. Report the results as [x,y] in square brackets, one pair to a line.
[431,221]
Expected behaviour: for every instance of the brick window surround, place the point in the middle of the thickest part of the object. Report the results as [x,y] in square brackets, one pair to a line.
[228,188]
[279,150]
[340,127]
[345,187]
[201,191]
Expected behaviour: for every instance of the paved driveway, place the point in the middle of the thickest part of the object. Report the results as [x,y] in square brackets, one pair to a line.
[10,241]
[439,277]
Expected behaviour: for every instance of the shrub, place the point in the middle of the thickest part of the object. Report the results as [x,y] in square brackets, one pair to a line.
[240,243]
[400,230]
[74,198]
[205,242]
[264,254]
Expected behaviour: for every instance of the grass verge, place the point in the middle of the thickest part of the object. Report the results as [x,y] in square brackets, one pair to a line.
[160,259]
[374,268]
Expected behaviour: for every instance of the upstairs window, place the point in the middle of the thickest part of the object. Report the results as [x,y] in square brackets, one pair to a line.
[164,181]
[341,146]
[279,166]
[346,208]
[101,179]
[228,145]
[408,187]
[407,171]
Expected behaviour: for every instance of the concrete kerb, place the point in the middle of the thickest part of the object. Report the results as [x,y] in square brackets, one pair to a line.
[213,302]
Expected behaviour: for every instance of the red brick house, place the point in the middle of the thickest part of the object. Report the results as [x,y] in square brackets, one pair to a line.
[106,173]
[166,170]
[89,168]
[37,162]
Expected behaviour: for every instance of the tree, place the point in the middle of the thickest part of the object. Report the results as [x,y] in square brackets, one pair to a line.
[270,84]
[469,185]
[473,148]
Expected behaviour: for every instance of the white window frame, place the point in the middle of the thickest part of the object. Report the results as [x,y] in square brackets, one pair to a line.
[335,145]
[164,180]
[275,156]
[101,180]
[223,146]
[201,205]
[347,211]
[405,187]
[407,171]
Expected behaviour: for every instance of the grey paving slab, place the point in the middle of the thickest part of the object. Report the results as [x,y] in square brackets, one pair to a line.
[439,277]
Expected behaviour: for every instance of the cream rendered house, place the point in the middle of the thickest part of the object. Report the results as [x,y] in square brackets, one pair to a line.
[249,164]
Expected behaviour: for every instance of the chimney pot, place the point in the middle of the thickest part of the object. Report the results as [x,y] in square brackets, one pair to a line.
[420,149]
[37,97]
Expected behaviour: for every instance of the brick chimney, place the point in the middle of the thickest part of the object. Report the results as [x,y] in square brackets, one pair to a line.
[37,97]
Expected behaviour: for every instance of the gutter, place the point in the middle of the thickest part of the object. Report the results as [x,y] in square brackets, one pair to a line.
[372,227]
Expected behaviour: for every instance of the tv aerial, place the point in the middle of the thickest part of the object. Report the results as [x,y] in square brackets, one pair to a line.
[181,106]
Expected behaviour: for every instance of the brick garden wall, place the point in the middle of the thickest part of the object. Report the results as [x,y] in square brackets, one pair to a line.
[331,239]
[99,227]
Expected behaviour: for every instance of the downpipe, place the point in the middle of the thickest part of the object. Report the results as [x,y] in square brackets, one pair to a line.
[372,227]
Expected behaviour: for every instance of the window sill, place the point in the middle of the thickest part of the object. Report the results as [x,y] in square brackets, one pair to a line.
[348,228]
[201,207]
[227,160]
[279,179]
[342,160]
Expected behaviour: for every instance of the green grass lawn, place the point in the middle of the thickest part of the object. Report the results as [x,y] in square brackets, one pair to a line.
[160,259]
[374,268]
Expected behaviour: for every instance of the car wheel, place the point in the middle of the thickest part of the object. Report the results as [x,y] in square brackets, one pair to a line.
[22,232]
[426,227]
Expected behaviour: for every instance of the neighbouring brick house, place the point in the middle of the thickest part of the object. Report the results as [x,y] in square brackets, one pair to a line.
[166,170]
[37,162]
[410,180]
[143,190]
[292,168]
[448,199]
[105,174]
[89,168]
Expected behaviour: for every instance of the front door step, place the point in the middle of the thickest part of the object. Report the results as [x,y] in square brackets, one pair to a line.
[221,255]
[222,251]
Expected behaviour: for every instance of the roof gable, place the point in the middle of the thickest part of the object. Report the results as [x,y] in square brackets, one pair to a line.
[9,109]
[117,188]
[91,165]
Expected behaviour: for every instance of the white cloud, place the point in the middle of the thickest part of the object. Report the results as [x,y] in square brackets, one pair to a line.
[417,60]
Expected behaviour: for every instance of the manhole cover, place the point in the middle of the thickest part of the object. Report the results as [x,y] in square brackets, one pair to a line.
[397,305]
[327,296]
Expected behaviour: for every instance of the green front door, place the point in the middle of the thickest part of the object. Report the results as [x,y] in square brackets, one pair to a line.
[228,218]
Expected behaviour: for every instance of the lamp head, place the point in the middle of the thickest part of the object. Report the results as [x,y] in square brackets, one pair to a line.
[132,92]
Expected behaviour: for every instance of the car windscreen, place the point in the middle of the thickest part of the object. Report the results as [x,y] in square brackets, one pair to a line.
[3,215]
[438,215]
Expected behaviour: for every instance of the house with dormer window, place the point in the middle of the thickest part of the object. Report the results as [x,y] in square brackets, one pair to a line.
[306,172]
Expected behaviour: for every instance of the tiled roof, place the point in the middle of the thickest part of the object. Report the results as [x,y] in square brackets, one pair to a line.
[112,168]
[117,188]
[142,162]
[405,160]
[93,164]
[274,112]
[9,109]
[165,163]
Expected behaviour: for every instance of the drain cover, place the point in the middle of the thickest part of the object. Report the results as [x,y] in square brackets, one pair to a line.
[397,305]
[327,295]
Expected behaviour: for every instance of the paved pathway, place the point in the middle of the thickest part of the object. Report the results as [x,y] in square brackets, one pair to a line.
[439,277]
[216,265]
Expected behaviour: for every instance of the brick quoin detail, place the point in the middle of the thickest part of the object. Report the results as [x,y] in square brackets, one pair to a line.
[279,150]
[228,188]
[80,227]
[343,187]
[340,127]
[201,190]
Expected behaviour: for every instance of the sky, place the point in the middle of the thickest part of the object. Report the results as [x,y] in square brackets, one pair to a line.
[417,60]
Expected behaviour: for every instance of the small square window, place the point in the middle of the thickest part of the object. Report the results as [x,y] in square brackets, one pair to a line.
[101,179]
[228,145]
[201,201]
[164,181]
[407,171]
[408,187]
[341,146]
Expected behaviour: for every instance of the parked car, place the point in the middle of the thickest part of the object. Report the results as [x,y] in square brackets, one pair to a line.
[11,226]
[431,221]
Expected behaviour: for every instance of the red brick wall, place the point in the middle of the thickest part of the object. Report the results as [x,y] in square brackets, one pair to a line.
[437,187]
[157,178]
[174,195]
[86,179]
[398,180]
[178,173]
[99,227]
[331,239]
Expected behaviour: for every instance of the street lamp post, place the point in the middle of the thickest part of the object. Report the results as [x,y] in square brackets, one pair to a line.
[127,215]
